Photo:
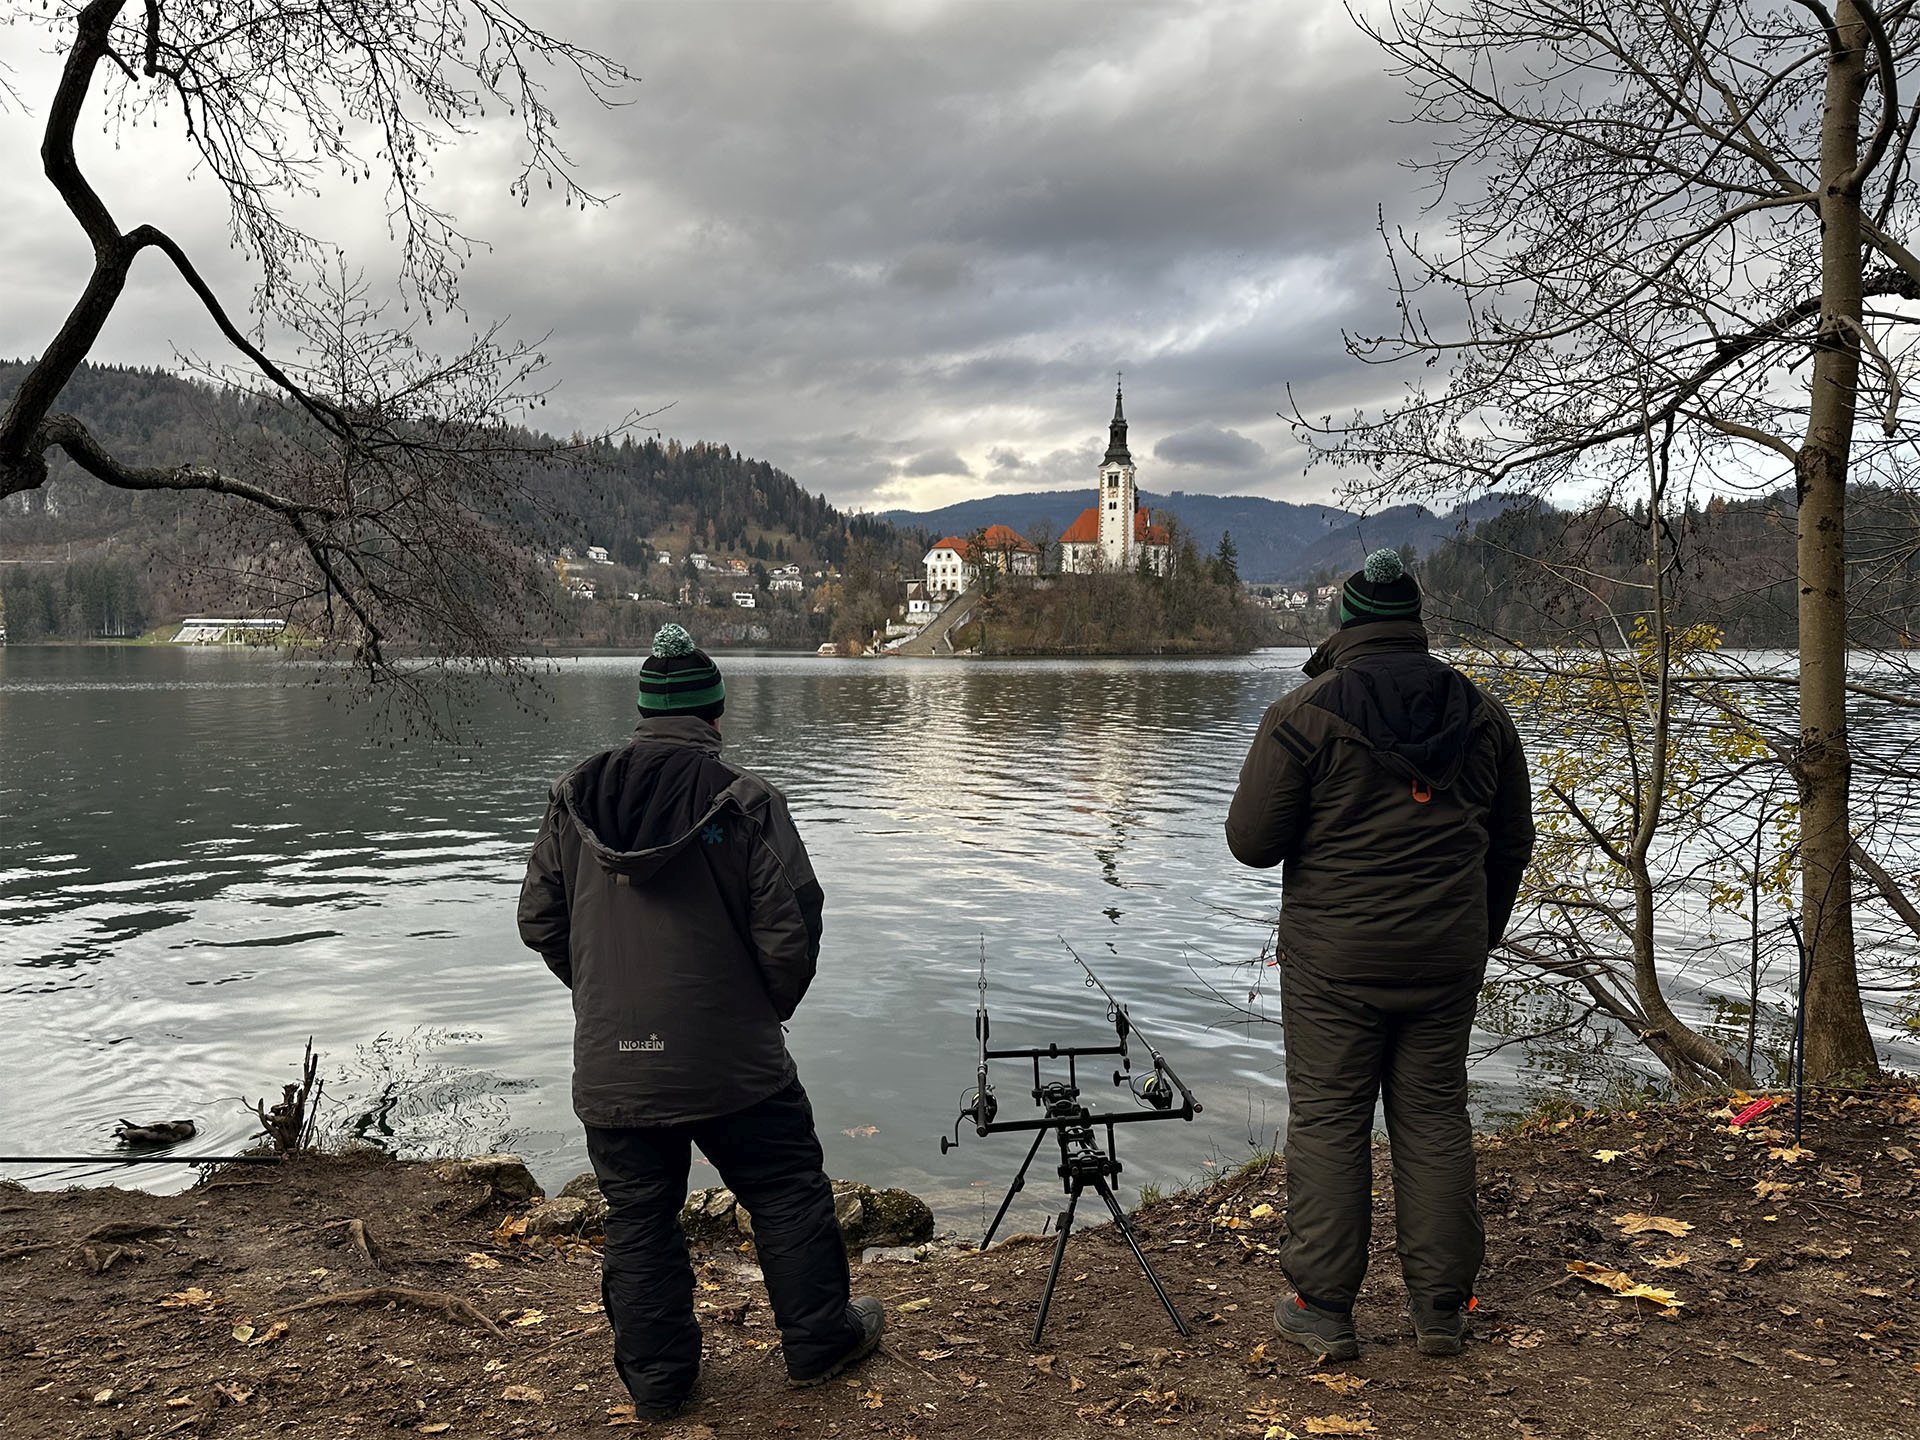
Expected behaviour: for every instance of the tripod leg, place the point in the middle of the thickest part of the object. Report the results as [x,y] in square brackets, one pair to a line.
[1059,1254]
[1019,1184]
[1120,1219]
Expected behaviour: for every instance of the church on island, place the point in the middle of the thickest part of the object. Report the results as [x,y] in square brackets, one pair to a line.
[1112,535]
[1114,532]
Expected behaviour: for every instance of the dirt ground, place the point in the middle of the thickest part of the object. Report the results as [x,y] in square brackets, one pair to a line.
[1791,1275]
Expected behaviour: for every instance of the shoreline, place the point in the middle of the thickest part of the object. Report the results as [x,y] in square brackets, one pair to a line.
[255,1304]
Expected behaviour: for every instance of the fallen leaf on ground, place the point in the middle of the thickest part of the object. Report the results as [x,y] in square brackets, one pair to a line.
[243,1333]
[861,1132]
[1634,1223]
[526,1394]
[1338,1425]
[1767,1189]
[1672,1260]
[1260,1212]
[103,1397]
[1790,1154]
[1607,1157]
[1527,1339]
[433,1427]
[622,1415]
[530,1317]
[234,1392]
[872,1399]
[1625,1286]
[476,1261]
[191,1298]
[914,1307]
[1339,1382]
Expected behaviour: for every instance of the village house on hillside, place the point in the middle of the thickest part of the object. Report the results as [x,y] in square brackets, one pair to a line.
[1114,533]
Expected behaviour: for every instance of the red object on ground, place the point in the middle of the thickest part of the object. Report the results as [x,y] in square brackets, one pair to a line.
[1753,1111]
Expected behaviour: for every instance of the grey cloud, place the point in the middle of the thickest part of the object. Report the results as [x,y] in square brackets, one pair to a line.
[936,462]
[886,247]
[1211,446]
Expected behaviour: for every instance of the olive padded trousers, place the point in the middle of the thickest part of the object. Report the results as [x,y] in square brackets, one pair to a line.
[1347,1045]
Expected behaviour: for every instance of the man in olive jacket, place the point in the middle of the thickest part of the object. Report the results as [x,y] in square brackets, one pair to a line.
[1394,793]
[669,891]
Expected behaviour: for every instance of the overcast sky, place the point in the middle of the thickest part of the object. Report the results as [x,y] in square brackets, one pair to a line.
[897,249]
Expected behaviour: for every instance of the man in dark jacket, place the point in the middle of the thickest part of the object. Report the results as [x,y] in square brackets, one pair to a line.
[1395,794]
[670,892]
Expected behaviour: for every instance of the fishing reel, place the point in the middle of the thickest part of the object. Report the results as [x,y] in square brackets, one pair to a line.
[982,1107]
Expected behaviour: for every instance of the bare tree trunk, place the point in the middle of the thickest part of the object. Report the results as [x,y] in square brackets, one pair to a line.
[1837,1040]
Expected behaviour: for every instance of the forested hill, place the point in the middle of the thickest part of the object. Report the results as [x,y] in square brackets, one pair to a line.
[1543,575]
[80,558]
[652,490]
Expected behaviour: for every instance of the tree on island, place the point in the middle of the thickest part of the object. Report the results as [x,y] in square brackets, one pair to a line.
[1683,231]
[372,499]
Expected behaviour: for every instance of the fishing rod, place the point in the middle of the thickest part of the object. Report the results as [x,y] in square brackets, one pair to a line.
[139,1159]
[1123,1022]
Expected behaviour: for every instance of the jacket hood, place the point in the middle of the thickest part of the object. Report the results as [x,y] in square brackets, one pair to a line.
[1418,713]
[1382,637]
[640,806]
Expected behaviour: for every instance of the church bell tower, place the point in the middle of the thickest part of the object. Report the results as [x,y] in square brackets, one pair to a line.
[1118,498]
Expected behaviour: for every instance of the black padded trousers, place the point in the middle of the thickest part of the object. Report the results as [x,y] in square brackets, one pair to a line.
[1347,1045]
[769,1156]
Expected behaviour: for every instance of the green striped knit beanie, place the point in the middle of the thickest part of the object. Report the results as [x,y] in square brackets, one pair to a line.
[679,678]
[1382,590]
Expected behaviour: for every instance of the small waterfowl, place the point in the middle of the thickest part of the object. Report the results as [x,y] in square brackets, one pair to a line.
[158,1132]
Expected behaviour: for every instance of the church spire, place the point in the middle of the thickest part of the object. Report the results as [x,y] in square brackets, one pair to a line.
[1117,452]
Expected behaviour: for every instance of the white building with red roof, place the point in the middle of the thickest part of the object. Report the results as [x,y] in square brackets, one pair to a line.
[1114,533]
[953,564]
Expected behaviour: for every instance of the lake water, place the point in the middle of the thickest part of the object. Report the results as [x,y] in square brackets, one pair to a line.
[204,859]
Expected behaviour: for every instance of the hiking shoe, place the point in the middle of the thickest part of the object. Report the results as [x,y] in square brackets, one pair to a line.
[866,1315]
[1439,1331]
[1326,1334]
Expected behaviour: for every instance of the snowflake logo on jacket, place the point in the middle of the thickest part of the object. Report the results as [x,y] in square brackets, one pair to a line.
[713,835]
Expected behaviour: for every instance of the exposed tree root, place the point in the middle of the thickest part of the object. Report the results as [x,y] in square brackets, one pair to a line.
[399,1295]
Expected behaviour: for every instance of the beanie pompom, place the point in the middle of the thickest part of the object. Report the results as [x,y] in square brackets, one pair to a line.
[671,640]
[1382,566]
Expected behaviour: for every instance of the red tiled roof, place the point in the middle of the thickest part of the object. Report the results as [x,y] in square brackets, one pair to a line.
[1086,530]
[1004,537]
[955,544]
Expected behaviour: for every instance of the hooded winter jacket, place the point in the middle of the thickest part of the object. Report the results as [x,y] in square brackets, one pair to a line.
[670,892]
[1394,793]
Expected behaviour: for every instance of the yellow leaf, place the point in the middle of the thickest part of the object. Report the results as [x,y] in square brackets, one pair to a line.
[914,1307]
[872,1399]
[1634,1223]
[1672,1260]
[476,1261]
[1790,1154]
[1621,1284]
[524,1394]
[243,1333]
[530,1317]
[1607,1157]
[1260,1212]
[1339,1382]
[1735,1241]
[191,1298]
[1768,1189]
[1338,1425]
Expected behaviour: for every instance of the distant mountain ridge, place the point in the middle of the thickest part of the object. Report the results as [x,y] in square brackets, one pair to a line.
[1279,542]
